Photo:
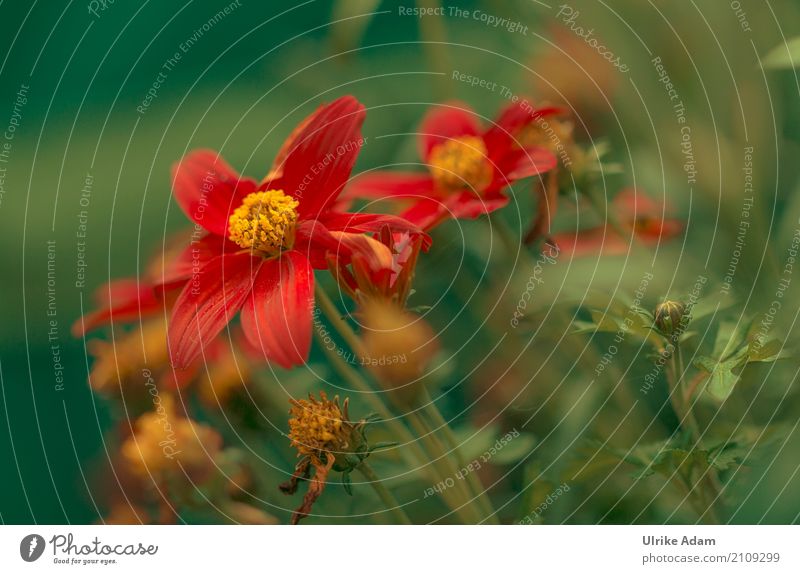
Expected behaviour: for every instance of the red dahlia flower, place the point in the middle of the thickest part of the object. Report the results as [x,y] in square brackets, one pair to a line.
[468,166]
[265,239]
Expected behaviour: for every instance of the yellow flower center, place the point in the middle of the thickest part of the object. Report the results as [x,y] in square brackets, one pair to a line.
[265,221]
[318,426]
[459,163]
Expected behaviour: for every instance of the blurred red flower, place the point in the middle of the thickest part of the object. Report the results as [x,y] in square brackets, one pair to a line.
[469,166]
[643,217]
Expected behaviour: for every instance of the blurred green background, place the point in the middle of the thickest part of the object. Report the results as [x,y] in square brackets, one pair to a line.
[253,74]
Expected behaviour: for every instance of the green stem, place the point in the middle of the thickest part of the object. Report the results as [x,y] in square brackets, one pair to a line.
[682,410]
[450,439]
[707,489]
[388,499]
[504,233]
[417,457]
[338,323]
[457,496]
[435,44]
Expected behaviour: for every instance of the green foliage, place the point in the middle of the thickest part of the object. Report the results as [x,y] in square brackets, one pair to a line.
[735,347]
[783,56]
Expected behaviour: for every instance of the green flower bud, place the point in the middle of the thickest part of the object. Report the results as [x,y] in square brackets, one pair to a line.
[668,316]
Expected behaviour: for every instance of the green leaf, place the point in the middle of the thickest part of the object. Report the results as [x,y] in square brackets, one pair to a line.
[605,323]
[767,352]
[592,461]
[721,379]
[783,56]
[515,450]
[474,442]
[730,337]
[709,306]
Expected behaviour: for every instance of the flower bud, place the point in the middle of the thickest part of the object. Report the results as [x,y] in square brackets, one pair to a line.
[668,316]
[399,346]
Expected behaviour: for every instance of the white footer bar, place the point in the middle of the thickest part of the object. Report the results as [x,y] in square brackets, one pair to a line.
[389,549]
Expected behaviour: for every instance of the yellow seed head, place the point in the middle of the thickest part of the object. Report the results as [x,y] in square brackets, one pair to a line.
[319,426]
[461,163]
[265,221]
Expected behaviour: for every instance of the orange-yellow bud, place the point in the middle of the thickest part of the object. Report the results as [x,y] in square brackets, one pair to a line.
[399,346]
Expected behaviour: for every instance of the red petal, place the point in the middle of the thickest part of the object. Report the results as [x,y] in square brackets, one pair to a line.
[447,121]
[631,202]
[208,302]
[375,253]
[277,316]
[367,223]
[468,205]
[520,163]
[179,378]
[121,300]
[314,241]
[276,171]
[325,149]
[192,257]
[646,215]
[659,230]
[426,213]
[501,136]
[208,189]
[389,185]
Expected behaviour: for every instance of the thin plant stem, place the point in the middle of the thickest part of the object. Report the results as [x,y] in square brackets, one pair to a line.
[707,484]
[458,496]
[350,374]
[504,233]
[452,442]
[435,44]
[341,326]
[383,493]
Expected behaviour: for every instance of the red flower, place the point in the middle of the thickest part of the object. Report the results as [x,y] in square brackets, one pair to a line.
[265,239]
[468,166]
[643,217]
[120,301]
[375,278]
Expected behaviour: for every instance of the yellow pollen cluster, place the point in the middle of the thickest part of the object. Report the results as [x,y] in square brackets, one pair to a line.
[265,221]
[318,426]
[459,163]
[548,133]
